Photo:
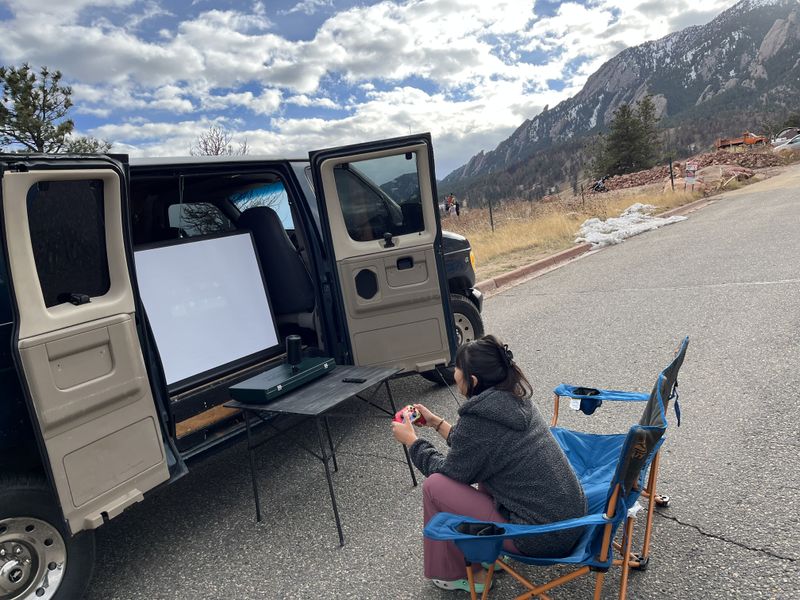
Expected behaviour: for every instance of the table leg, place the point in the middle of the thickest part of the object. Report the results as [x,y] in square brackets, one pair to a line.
[330,482]
[405,450]
[330,443]
[250,451]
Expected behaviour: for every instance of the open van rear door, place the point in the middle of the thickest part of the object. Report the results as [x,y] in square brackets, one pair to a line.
[76,339]
[380,216]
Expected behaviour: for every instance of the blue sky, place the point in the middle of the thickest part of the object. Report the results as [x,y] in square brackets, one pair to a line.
[290,76]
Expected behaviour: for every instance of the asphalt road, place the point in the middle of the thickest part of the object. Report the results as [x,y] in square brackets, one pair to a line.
[728,277]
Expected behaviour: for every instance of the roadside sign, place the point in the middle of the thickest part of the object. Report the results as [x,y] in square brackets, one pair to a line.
[690,177]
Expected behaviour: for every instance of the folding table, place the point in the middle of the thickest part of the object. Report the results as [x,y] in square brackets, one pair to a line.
[316,400]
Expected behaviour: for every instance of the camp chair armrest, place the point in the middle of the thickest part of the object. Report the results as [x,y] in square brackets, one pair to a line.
[580,392]
[445,526]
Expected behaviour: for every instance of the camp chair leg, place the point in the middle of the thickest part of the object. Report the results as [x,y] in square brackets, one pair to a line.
[651,505]
[471,579]
[598,585]
[556,400]
[623,578]
[516,576]
[487,582]
[539,591]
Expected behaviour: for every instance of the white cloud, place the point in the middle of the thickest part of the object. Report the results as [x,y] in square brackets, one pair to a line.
[308,7]
[303,100]
[264,104]
[487,66]
[151,11]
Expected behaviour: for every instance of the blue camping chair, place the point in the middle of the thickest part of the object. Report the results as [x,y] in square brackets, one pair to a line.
[612,470]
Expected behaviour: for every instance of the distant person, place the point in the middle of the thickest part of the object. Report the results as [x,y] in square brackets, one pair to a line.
[458,207]
[502,443]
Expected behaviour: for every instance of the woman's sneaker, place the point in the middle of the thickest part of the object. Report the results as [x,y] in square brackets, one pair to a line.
[457,584]
[498,570]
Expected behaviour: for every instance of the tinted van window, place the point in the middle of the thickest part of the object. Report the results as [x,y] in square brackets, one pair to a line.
[379,196]
[67,226]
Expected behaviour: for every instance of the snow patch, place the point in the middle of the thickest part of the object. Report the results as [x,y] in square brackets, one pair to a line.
[634,220]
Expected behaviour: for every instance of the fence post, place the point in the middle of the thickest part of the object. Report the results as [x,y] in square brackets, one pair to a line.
[491,216]
[671,174]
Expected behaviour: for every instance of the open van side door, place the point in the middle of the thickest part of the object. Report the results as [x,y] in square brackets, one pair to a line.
[380,216]
[76,340]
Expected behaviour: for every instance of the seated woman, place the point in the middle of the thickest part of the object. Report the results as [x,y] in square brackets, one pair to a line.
[502,443]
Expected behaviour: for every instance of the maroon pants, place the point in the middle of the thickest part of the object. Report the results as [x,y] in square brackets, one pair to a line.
[443,560]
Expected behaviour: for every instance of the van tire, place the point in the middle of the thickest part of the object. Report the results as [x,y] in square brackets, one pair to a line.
[468,320]
[469,326]
[23,497]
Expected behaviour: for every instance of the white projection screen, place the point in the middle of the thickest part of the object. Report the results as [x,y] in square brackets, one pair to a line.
[207,304]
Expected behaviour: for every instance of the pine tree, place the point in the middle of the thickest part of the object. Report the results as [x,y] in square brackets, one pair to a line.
[86,145]
[33,109]
[632,143]
[619,154]
[649,144]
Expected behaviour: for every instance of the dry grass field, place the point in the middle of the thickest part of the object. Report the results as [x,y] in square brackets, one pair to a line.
[526,231]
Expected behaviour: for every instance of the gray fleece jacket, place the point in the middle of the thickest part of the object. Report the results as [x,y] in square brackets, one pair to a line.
[504,444]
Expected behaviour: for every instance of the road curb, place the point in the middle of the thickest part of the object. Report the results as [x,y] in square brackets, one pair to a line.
[564,256]
[687,208]
[533,268]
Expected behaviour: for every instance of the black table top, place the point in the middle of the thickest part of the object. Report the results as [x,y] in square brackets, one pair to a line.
[321,394]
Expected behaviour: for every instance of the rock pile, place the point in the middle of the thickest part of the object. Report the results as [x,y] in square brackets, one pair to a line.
[621,182]
[749,160]
[735,164]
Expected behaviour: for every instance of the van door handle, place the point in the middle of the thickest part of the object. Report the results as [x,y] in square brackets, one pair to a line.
[407,262]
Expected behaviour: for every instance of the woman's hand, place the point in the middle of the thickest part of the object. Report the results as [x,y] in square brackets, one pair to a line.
[431,420]
[404,432]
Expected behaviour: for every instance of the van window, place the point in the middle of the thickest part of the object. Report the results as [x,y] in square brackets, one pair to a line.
[380,195]
[272,195]
[67,228]
[198,218]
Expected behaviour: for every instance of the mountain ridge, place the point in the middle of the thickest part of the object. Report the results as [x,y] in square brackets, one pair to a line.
[745,60]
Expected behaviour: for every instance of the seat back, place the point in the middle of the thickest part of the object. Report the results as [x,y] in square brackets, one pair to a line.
[288,282]
[644,439]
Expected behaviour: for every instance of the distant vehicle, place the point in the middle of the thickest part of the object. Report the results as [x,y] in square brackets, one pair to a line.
[747,139]
[792,144]
[785,135]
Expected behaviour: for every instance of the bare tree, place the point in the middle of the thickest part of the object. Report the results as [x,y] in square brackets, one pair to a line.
[217,142]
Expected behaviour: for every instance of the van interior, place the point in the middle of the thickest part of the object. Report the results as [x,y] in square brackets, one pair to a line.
[175,209]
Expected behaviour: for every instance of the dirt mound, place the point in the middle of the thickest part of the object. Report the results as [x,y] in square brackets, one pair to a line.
[621,182]
[740,164]
[749,160]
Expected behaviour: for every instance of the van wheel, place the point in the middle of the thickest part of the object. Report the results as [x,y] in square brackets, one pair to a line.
[38,557]
[469,327]
[469,324]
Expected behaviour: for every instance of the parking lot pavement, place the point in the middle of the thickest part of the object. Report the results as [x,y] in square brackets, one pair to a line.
[728,277]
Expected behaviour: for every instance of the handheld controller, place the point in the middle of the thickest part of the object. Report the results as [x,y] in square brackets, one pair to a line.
[413,415]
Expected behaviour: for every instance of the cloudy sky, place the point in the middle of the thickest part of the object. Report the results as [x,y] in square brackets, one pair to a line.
[290,76]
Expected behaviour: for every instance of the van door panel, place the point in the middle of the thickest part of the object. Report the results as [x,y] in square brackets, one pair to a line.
[84,372]
[393,286]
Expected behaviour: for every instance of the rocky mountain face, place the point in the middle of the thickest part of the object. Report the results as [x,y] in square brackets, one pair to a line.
[744,62]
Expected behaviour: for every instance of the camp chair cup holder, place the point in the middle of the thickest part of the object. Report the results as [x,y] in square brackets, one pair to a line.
[480,529]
